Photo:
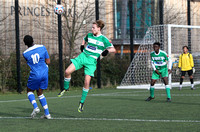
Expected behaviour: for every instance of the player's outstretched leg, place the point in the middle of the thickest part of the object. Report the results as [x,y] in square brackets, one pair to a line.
[32,100]
[43,102]
[84,95]
[66,86]
[151,94]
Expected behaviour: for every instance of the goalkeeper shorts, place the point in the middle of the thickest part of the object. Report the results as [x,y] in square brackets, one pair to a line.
[86,61]
[163,72]
[190,72]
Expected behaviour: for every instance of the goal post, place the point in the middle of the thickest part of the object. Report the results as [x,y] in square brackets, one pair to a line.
[172,39]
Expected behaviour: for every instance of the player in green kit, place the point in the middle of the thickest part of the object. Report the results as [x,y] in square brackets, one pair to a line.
[159,60]
[97,44]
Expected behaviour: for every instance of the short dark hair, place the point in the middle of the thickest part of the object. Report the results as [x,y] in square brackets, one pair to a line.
[28,40]
[156,43]
[185,47]
[99,23]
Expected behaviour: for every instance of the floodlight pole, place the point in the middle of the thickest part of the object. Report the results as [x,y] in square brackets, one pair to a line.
[98,60]
[131,28]
[189,23]
[161,5]
[19,89]
[60,49]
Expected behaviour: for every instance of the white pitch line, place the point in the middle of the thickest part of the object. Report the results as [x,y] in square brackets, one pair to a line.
[110,119]
[107,94]
[74,96]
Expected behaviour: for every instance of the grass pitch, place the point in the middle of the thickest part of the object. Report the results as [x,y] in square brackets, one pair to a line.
[105,110]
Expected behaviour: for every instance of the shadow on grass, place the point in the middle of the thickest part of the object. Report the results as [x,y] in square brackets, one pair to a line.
[13,114]
[25,112]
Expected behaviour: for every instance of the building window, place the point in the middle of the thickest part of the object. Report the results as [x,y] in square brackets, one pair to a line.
[144,14]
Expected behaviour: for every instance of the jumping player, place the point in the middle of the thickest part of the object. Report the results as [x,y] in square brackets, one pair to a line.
[159,60]
[97,44]
[37,58]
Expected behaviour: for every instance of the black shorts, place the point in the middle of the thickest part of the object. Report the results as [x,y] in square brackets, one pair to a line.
[190,72]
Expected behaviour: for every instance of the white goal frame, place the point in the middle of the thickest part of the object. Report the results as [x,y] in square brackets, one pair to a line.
[159,85]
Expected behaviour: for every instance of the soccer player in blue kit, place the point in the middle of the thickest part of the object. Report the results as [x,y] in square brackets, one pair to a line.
[38,59]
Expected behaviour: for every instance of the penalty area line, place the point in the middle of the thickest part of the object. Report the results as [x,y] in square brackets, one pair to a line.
[110,119]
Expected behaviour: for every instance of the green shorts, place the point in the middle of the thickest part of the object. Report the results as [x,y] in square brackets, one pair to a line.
[163,72]
[86,61]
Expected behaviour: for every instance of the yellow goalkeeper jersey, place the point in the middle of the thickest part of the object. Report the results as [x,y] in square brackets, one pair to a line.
[186,62]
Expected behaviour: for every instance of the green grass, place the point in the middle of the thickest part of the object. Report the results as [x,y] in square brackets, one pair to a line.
[107,110]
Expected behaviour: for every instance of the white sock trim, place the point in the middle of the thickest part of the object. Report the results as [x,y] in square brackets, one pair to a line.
[167,86]
[86,90]
[45,107]
[152,87]
[67,79]
[29,93]
[33,102]
[41,97]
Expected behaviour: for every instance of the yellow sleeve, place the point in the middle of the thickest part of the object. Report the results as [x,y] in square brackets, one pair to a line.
[180,61]
[191,61]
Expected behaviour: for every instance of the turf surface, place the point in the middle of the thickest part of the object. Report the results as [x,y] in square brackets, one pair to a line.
[105,110]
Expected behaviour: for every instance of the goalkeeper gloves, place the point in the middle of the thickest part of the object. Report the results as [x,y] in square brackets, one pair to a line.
[105,52]
[82,47]
[193,70]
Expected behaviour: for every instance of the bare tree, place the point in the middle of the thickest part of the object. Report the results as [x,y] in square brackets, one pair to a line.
[5,63]
[75,23]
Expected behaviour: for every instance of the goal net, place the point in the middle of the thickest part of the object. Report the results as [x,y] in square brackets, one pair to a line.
[172,39]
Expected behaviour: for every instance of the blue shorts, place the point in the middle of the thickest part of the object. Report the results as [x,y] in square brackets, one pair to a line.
[36,81]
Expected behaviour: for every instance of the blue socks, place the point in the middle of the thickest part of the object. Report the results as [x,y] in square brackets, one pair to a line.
[31,98]
[43,102]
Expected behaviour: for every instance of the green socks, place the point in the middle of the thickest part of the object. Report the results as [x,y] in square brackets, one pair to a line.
[152,91]
[66,83]
[84,94]
[167,87]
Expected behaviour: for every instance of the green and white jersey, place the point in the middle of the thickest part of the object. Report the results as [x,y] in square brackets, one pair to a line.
[96,45]
[159,61]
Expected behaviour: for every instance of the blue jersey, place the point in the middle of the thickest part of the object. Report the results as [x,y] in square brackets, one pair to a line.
[35,57]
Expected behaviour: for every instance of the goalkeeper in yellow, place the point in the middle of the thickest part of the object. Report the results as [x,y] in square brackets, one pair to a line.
[159,61]
[186,64]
